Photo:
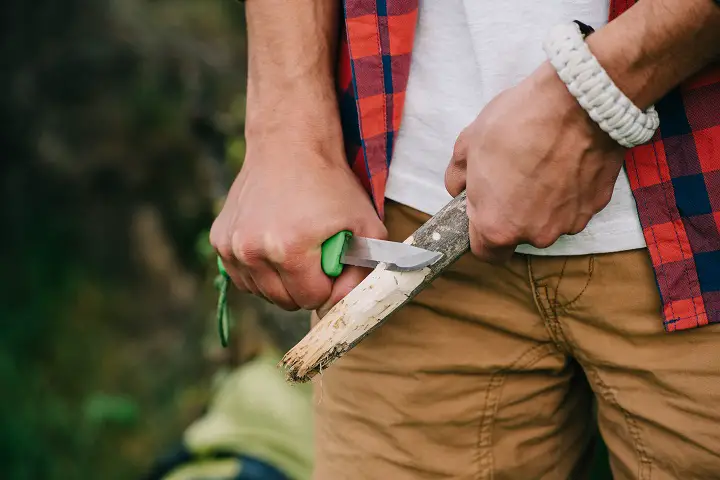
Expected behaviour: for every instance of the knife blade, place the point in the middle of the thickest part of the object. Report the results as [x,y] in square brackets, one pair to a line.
[344,248]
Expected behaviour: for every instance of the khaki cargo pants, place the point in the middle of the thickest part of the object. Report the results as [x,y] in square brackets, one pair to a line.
[491,373]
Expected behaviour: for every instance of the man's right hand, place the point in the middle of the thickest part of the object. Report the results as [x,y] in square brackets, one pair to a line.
[289,197]
[295,189]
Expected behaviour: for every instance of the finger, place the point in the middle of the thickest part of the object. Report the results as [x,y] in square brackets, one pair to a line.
[241,278]
[252,262]
[456,172]
[236,276]
[461,147]
[250,284]
[305,281]
[580,224]
[271,286]
[455,178]
[349,279]
[546,237]
[487,251]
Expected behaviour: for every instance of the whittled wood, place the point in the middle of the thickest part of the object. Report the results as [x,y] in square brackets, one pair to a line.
[369,304]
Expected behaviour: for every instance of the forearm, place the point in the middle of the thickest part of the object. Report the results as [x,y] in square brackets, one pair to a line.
[657,44]
[291,66]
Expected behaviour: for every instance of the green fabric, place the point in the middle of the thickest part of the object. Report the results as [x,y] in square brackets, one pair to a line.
[258,414]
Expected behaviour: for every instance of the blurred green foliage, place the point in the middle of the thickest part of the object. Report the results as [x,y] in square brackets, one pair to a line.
[105,189]
[102,409]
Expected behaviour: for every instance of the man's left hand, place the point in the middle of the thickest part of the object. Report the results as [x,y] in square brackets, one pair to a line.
[535,167]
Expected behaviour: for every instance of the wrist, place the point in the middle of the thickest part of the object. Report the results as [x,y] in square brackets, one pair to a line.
[626,63]
[564,105]
[302,132]
[294,113]
[587,80]
[291,72]
[656,45]
[546,80]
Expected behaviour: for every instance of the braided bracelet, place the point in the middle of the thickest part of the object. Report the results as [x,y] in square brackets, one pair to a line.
[593,88]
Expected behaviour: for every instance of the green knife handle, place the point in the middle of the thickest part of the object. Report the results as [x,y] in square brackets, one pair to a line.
[332,250]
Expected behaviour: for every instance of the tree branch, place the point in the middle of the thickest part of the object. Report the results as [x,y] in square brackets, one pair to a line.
[367,306]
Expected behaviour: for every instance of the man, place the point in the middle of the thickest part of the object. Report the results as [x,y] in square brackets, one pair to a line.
[491,372]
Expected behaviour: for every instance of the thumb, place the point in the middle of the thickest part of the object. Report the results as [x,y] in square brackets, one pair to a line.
[455,174]
[349,279]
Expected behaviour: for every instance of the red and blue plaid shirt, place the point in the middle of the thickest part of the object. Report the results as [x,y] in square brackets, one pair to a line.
[675,178]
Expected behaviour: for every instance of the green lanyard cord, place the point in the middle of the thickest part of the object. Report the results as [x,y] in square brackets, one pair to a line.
[222,282]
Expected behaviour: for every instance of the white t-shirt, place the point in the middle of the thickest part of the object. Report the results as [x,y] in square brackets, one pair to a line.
[465,53]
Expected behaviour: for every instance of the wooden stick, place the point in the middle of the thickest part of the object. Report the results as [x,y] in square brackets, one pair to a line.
[369,304]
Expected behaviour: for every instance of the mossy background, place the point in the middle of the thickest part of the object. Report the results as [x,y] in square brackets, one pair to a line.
[107,183]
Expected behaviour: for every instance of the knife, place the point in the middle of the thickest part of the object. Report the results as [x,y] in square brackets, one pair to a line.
[344,248]
[341,249]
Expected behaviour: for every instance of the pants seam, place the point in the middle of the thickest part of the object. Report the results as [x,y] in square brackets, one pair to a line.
[561,275]
[547,313]
[591,271]
[552,323]
[485,460]
[645,460]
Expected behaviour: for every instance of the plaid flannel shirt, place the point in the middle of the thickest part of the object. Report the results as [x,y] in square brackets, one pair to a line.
[675,177]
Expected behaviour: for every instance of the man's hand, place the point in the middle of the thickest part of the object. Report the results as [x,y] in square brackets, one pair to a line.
[276,217]
[535,167]
[295,189]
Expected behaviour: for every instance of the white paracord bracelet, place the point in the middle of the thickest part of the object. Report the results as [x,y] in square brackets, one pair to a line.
[590,84]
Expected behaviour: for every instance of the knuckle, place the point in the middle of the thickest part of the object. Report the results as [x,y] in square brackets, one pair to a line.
[291,246]
[580,224]
[492,228]
[290,255]
[496,235]
[544,239]
[602,201]
[292,262]
[246,251]
[224,250]
[285,252]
